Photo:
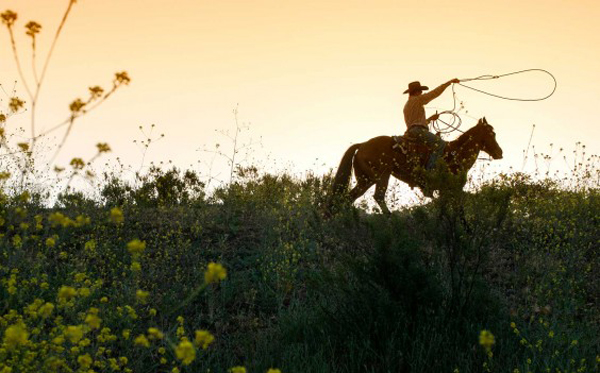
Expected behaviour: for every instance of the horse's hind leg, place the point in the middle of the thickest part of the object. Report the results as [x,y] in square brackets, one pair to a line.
[380,189]
[362,185]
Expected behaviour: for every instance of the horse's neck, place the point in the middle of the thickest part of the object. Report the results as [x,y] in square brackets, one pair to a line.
[464,150]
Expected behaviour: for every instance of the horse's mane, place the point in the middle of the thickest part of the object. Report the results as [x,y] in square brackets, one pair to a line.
[459,142]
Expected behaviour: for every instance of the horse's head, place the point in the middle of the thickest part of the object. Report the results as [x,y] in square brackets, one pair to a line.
[488,139]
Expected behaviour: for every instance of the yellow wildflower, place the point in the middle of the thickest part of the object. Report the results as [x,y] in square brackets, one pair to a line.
[214,273]
[203,339]
[15,335]
[50,242]
[136,266]
[185,352]
[141,340]
[46,310]
[142,296]
[85,361]
[66,293]
[116,215]
[154,333]
[74,333]
[93,321]
[486,339]
[136,247]
[238,369]
[274,370]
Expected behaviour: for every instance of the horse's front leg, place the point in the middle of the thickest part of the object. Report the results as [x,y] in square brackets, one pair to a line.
[380,189]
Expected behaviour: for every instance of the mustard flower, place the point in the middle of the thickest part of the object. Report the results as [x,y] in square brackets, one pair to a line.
[46,310]
[85,361]
[185,352]
[15,336]
[136,266]
[142,296]
[33,28]
[96,92]
[93,321]
[116,215]
[76,106]
[77,163]
[141,340]
[203,339]
[136,247]
[272,370]
[8,18]
[238,369]
[154,333]
[15,104]
[122,78]
[74,333]
[214,273]
[486,339]
[66,293]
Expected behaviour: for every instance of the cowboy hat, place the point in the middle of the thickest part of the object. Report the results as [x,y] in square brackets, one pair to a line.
[416,86]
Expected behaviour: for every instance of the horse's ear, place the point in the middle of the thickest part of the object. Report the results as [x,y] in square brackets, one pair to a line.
[485,121]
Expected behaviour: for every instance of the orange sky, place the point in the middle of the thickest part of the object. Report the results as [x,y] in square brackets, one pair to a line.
[312,77]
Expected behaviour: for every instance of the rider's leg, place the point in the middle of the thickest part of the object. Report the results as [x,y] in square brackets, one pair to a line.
[437,145]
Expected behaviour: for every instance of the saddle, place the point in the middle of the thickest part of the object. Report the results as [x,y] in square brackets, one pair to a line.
[414,150]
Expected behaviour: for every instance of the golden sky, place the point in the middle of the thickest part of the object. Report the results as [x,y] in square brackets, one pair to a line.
[311,77]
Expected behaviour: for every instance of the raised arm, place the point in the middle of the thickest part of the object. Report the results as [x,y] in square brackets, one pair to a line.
[425,98]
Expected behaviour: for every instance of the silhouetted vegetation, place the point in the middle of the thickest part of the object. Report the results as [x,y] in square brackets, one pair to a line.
[355,293]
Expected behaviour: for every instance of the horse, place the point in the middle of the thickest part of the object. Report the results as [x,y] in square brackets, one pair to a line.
[375,160]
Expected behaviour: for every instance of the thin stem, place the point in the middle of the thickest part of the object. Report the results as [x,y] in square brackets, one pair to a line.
[237,131]
[16,54]
[62,143]
[58,31]
[45,68]
[33,66]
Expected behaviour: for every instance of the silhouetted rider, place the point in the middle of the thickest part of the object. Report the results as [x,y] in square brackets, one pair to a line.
[417,123]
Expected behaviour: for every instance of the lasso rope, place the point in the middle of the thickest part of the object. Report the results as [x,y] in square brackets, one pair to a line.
[456,121]
[490,77]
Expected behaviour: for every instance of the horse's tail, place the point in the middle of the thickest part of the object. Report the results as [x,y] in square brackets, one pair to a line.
[342,177]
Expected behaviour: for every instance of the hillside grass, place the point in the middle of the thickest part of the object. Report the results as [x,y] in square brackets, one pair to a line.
[501,280]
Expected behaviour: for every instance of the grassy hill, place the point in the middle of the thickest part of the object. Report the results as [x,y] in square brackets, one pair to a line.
[505,279]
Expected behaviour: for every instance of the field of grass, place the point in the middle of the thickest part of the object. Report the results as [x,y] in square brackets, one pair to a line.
[504,279]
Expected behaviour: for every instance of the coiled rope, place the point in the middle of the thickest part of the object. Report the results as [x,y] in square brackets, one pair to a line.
[455,123]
